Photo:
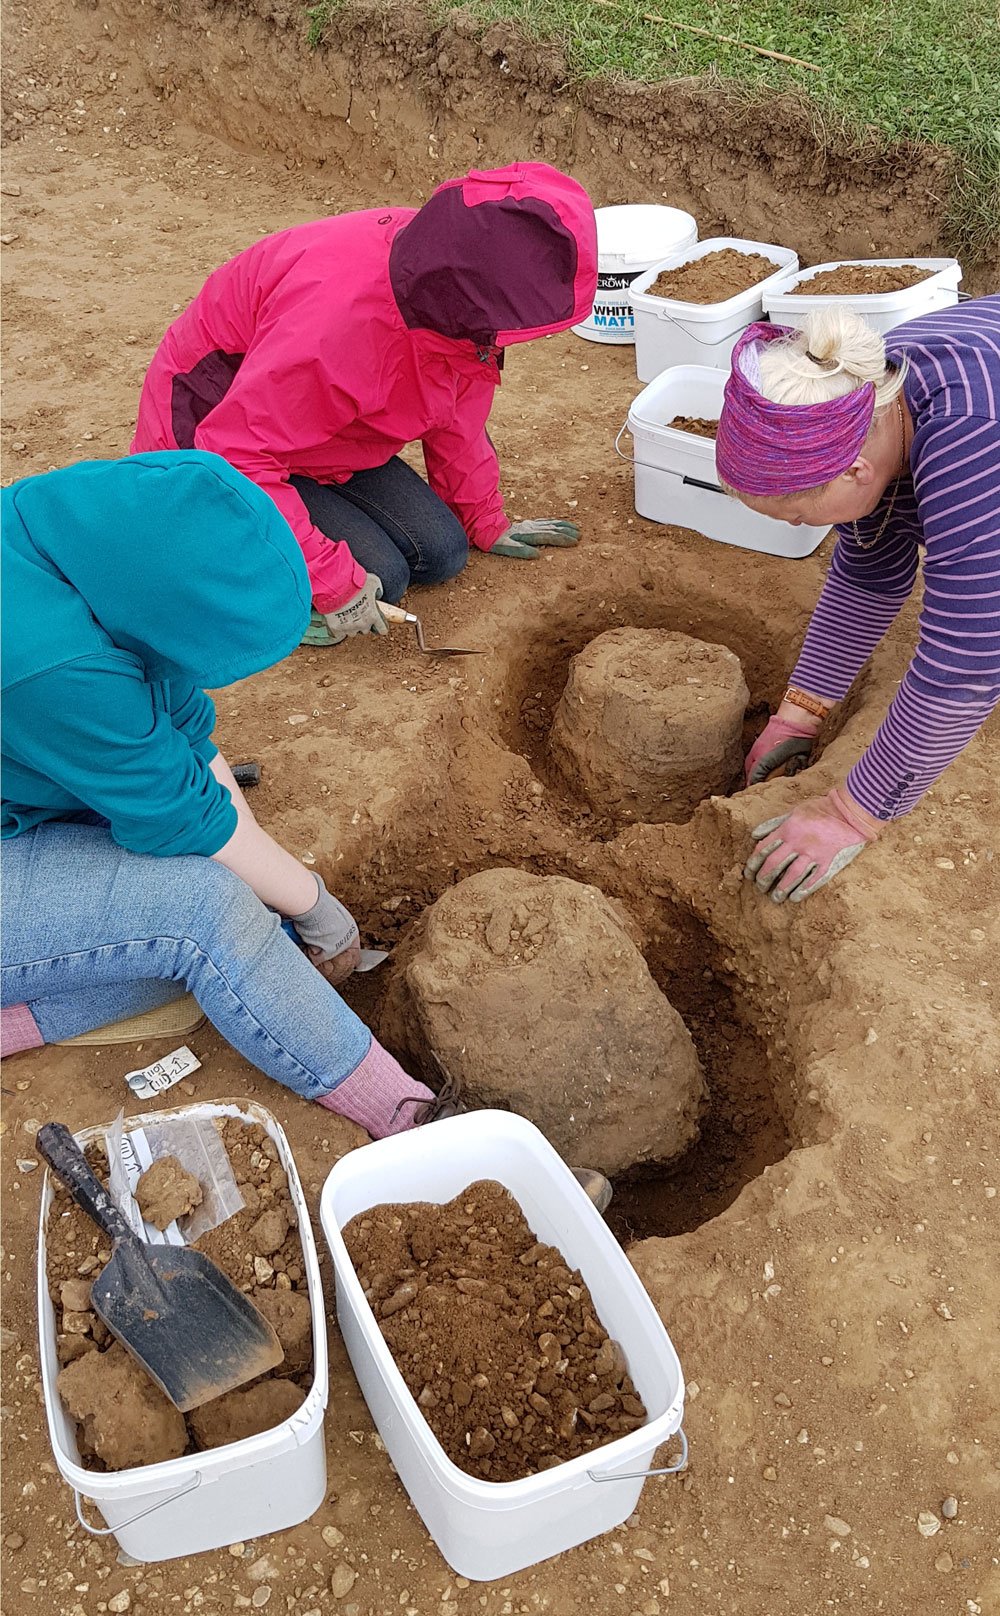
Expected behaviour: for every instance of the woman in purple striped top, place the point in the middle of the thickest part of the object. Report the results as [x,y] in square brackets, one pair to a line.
[897,443]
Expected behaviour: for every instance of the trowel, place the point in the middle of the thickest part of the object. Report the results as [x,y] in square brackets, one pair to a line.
[396,614]
[178,1315]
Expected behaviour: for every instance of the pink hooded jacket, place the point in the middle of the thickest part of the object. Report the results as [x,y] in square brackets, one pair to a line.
[323,350]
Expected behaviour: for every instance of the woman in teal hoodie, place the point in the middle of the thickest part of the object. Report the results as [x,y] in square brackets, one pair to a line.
[133,868]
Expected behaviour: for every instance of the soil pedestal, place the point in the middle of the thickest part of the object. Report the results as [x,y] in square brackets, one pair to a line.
[530,990]
[650,723]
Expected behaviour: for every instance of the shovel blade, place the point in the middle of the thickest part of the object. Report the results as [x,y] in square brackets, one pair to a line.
[184,1321]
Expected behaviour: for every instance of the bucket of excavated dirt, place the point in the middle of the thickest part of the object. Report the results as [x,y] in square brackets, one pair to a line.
[886,291]
[488,1529]
[676,480]
[629,240]
[239,1485]
[691,308]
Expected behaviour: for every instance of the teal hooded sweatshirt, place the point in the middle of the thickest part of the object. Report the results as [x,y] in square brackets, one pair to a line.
[129,586]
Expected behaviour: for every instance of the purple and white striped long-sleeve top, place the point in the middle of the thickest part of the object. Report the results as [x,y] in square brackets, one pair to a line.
[950,504]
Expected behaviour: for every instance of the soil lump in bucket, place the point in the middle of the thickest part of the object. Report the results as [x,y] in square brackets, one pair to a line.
[853,280]
[167,1191]
[532,993]
[125,1418]
[496,1338]
[714,278]
[650,723]
[245,1412]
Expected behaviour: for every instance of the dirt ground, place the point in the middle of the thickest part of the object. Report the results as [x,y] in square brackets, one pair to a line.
[825,1258]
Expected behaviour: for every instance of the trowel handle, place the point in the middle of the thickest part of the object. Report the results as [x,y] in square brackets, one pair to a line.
[56,1145]
[395,614]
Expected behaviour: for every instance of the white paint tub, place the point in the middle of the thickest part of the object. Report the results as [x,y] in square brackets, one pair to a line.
[670,331]
[224,1495]
[676,480]
[883,310]
[629,240]
[491,1529]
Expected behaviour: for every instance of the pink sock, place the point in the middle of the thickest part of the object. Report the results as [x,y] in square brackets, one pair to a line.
[18,1030]
[372,1092]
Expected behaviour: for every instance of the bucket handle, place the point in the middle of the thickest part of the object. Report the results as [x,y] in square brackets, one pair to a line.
[635,1475]
[621,433]
[110,1531]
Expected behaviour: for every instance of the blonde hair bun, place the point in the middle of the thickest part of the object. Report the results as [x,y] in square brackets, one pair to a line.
[836,352]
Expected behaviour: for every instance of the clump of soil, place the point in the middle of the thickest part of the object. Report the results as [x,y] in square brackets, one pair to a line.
[698,425]
[244,1412]
[851,279]
[532,993]
[650,723]
[714,278]
[496,1338]
[123,1417]
[167,1191]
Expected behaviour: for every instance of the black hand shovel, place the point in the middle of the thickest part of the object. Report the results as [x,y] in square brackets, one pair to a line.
[178,1314]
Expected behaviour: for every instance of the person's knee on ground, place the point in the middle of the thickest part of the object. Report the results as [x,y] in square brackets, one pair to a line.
[445,554]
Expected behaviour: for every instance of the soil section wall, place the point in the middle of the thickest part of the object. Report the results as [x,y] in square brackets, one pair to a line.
[420,102]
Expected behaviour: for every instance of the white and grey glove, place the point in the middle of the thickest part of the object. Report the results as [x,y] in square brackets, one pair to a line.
[327,926]
[360,615]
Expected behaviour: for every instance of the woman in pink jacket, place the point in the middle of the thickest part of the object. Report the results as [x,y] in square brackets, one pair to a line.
[313,358]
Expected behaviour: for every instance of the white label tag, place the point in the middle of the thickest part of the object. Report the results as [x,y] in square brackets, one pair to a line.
[152,1080]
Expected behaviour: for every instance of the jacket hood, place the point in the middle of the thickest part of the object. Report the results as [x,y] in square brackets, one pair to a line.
[501,256]
[178,558]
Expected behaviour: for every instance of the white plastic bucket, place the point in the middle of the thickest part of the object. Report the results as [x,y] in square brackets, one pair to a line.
[676,480]
[629,240]
[670,331]
[883,310]
[491,1529]
[203,1500]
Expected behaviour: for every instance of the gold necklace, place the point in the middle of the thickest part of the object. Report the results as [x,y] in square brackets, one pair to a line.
[869,544]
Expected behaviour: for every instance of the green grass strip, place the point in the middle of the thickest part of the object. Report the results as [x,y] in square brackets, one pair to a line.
[891,70]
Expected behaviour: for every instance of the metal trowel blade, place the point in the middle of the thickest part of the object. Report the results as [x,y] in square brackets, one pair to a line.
[370,958]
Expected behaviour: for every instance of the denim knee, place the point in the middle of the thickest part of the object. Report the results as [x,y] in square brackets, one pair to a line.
[226,915]
[393,572]
[443,554]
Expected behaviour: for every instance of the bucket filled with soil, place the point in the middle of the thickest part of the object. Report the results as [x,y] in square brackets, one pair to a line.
[509,1355]
[885,291]
[673,424]
[691,308]
[220,1178]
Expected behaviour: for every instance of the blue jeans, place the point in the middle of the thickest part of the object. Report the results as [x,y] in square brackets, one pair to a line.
[393,524]
[92,934]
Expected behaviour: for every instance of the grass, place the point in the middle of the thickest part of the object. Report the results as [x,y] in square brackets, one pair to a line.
[891,70]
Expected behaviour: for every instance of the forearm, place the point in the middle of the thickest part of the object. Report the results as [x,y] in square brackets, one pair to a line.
[843,632]
[921,734]
[276,876]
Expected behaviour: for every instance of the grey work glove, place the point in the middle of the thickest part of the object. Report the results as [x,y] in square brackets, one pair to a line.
[328,930]
[358,616]
[523,540]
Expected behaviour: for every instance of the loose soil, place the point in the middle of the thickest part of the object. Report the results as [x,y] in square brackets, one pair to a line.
[714,278]
[852,280]
[698,425]
[824,1257]
[124,1418]
[496,1338]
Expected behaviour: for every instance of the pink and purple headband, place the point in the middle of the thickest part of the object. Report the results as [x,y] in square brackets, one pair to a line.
[769,449]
